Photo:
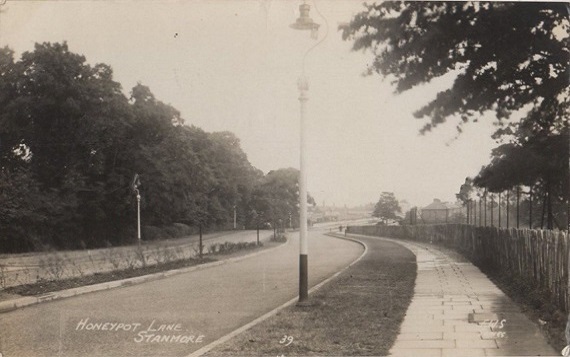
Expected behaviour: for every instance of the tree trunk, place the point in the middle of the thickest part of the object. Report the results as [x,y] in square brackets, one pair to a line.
[550,217]
[485,204]
[480,213]
[543,210]
[508,201]
[499,210]
[492,209]
[518,200]
[530,208]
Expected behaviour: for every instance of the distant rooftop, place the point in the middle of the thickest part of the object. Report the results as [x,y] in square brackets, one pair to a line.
[438,205]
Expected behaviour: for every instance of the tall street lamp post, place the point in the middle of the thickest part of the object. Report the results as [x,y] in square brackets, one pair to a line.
[304,22]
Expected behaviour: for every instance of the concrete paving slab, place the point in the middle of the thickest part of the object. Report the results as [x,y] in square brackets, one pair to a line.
[472,309]
[470,328]
[475,335]
[420,336]
[424,352]
[427,315]
[465,352]
[463,313]
[425,344]
[420,328]
[475,343]
[482,316]
[424,322]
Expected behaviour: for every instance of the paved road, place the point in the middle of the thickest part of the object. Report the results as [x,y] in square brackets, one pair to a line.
[193,309]
[18,269]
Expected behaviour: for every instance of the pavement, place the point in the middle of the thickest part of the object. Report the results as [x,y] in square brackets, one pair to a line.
[457,311]
[175,315]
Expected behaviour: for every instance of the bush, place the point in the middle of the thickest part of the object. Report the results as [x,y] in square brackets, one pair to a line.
[230,247]
[152,233]
[177,230]
[280,237]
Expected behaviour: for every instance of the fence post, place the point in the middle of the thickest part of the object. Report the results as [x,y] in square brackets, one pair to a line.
[508,192]
[492,209]
[530,208]
[480,213]
[475,212]
[518,198]
[499,210]
[485,199]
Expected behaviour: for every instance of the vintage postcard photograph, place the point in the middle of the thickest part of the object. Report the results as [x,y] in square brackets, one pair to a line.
[284,178]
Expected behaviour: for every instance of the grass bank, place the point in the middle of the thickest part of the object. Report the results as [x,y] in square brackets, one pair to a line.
[227,249]
[358,313]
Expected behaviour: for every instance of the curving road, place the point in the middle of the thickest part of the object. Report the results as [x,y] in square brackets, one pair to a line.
[27,268]
[173,316]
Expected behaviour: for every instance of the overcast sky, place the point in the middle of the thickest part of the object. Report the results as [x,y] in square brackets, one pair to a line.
[233,65]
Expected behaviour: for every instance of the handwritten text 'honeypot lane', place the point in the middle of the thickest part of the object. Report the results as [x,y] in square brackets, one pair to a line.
[153,333]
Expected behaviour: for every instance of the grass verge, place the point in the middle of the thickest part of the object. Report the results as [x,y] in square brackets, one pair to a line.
[47,286]
[359,313]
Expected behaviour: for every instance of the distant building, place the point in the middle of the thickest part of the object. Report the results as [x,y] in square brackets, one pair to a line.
[440,212]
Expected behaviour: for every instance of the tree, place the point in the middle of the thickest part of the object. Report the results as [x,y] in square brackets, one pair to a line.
[508,55]
[387,207]
[71,141]
[235,176]
[465,191]
[538,162]
[60,123]
[277,196]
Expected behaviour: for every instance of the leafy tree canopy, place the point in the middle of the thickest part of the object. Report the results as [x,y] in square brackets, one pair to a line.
[71,143]
[387,207]
[508,54]
[465,191]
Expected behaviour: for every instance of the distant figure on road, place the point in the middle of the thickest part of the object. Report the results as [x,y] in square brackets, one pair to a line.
[340,228]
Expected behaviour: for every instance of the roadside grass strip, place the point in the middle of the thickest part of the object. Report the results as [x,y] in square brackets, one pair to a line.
[43,291]
[358,313]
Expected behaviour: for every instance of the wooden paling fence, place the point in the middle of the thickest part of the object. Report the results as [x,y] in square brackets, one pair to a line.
[539,257]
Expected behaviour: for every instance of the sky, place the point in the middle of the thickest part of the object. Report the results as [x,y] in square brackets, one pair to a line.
[233,65]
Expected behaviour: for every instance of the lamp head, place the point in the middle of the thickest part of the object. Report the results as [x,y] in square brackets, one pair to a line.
[304,22]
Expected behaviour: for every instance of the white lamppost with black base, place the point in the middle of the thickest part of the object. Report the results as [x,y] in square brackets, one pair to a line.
[304,22]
